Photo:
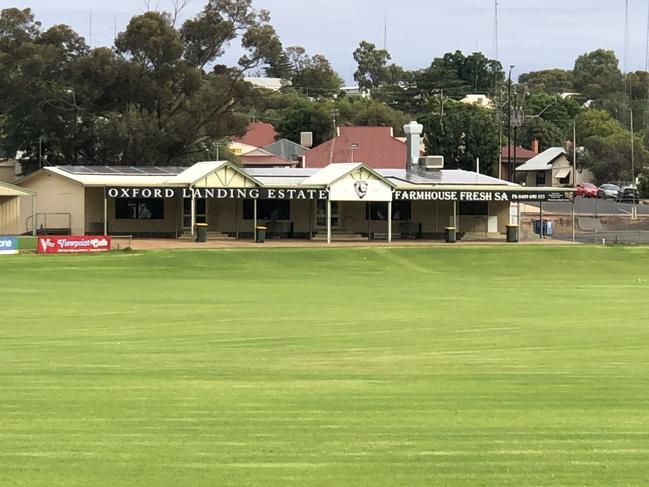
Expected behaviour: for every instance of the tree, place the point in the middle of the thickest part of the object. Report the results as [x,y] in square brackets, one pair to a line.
[452,76]
[461,134]
[608,147]
[279,67]
[643,183]
[305,116]
[548,120]
[312,76]
[367,112]
[149,101]
[550,81]
[547,133]
[596,74]
[373,69]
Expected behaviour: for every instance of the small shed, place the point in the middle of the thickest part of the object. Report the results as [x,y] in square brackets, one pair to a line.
[10,197]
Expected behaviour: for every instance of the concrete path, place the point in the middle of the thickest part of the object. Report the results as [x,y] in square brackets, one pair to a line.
[164,244]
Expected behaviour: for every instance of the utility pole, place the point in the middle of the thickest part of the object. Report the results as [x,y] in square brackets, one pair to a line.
[510,165]
[634,212]
[574,151]
[627,50]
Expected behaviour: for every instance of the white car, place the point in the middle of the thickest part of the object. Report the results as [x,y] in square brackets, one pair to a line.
[608,191]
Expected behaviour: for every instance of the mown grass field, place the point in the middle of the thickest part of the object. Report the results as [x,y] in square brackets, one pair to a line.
[503,366]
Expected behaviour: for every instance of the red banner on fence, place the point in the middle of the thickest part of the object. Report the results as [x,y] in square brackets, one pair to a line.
[64,245]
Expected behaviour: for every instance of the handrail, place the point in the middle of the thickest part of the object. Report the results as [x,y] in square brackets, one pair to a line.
[45,215]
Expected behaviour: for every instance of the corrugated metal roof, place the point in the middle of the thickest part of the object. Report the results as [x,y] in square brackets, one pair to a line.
[332,173]
[543,161]
[123,170]
[279,171]
[441,176]
[198,171]
[286,149]
[375,146]
[117,179]
[7,189]
[281,181]
[311,177]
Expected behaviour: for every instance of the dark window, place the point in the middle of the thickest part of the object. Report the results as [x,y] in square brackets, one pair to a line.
[139,209]
[474,208]
[540,178]
[267,209]
[401,211]
[200,206]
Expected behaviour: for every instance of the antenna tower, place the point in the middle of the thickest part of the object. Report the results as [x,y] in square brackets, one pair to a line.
[495,33]
[627,38]
[385,33]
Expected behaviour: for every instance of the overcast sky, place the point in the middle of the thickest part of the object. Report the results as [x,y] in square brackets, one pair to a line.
[533,34]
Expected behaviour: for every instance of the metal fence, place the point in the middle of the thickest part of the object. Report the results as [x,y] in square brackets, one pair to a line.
[590,229]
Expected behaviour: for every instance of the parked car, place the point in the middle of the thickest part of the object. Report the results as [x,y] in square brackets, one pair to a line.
[608,191]
[628,194]
[586,190]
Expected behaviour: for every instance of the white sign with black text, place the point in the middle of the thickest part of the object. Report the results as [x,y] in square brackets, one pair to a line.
[360,190]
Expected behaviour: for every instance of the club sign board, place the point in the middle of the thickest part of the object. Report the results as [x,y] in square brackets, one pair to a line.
[73,244]
[220,193]
[8,245]
[513,196]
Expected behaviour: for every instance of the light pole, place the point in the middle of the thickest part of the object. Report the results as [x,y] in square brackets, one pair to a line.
[76,120]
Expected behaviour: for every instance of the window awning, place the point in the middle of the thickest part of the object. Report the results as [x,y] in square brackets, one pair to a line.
[563,173]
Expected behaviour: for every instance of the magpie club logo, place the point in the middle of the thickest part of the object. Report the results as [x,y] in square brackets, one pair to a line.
[361,188]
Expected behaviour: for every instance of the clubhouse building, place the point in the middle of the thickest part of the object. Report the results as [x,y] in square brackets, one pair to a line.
[338,202]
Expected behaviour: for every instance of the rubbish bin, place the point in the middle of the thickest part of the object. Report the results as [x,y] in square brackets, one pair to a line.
[451,235]
[547,227]
[512,233]
[260,234]
[201,232]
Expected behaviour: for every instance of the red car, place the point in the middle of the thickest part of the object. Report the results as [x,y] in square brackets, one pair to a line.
[586,190]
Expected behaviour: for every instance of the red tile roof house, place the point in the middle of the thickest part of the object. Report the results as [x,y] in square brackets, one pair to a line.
[258,134]
[375,146]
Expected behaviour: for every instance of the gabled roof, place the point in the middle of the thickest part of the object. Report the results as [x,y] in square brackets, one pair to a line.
[7,189]
[261,157]
[543,161]
[521,153]
[112,175]
[334,172]
[376,147]
[286,149]
[198,171]
[258,134]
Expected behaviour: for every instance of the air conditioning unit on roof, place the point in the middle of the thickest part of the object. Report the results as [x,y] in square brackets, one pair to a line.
[431,162]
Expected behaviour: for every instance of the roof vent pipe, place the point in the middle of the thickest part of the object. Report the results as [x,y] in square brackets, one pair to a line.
[413,131]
